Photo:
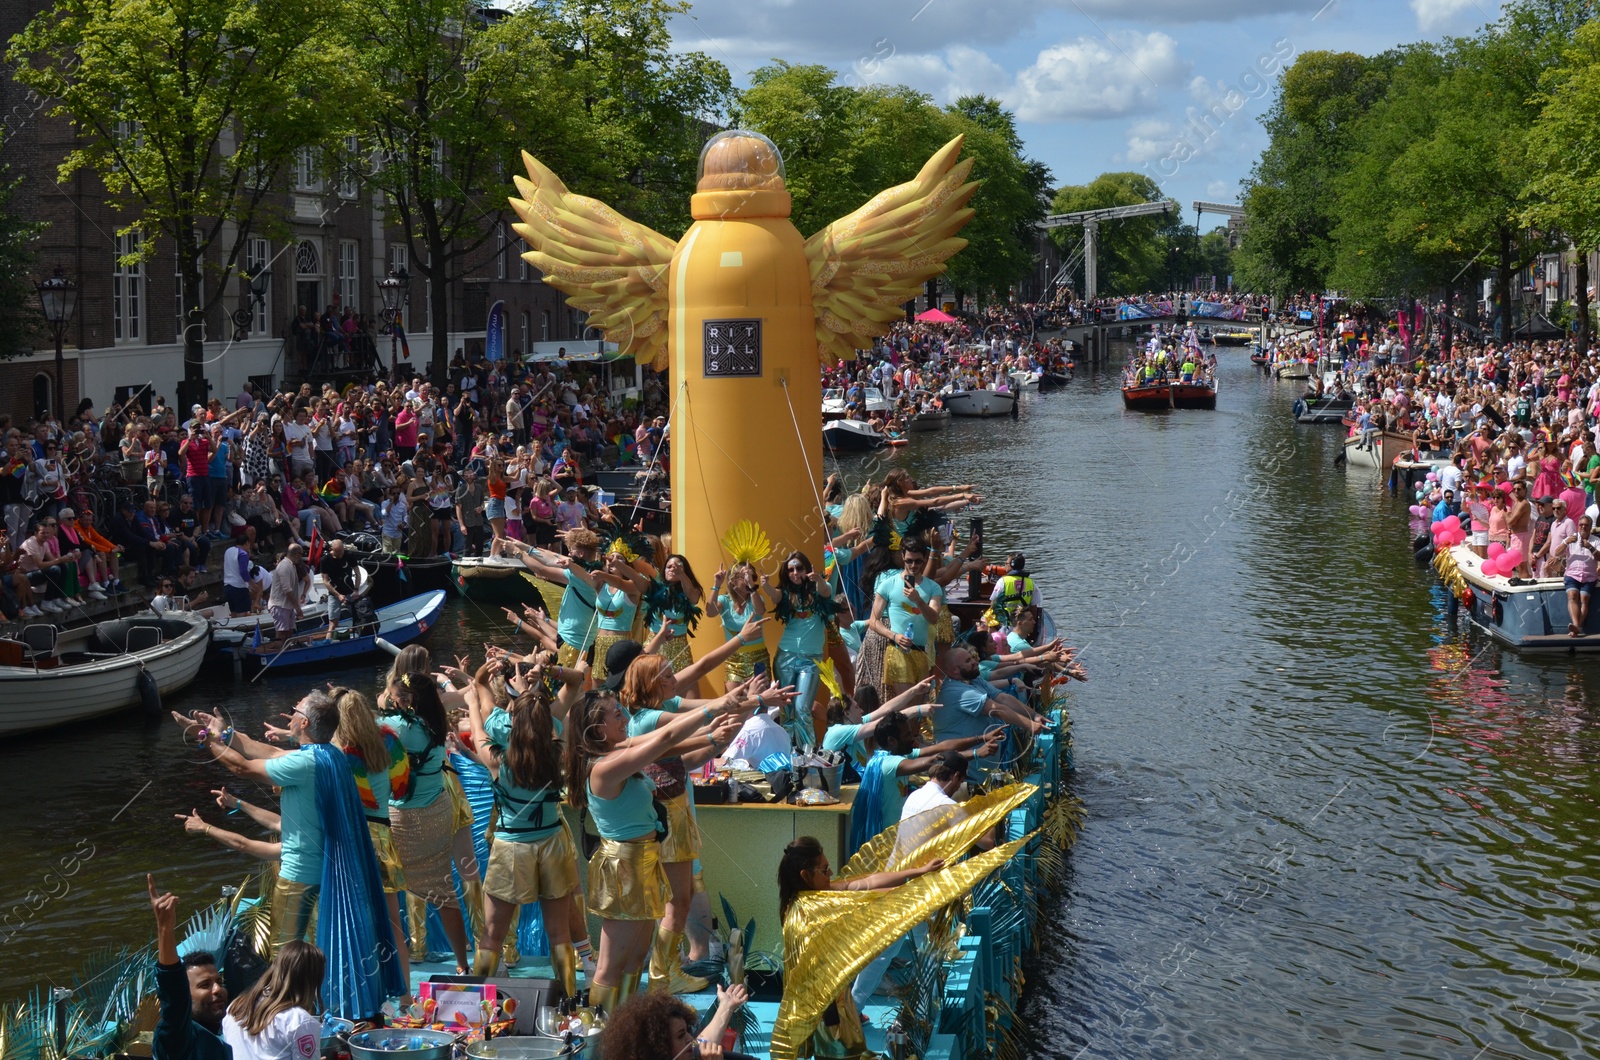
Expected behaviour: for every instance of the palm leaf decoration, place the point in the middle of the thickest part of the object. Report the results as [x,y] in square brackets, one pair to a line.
[747,543]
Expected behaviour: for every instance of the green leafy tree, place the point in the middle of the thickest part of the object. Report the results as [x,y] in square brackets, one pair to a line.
[1563,151]
[1135,253]
[190,113]
[1013,197]
[1290,199]
[20,323]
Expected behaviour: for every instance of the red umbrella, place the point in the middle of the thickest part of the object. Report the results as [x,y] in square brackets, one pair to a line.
[935,316]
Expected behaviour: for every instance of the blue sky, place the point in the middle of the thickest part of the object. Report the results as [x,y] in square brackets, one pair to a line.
[1172,88]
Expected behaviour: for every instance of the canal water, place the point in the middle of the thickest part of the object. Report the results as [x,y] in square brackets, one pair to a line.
[1320,820]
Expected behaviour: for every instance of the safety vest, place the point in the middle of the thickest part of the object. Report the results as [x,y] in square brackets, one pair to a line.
[1015,594]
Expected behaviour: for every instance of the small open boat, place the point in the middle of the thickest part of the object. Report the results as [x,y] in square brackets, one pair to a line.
[50,678]
[397,625]
[931,420]
[229,630]
[498,581]
[1053,380]
[1199,394]
[852,436]
[835,402]
[1528,614]
[1322,410]
[1021,380]
[1387,446]
[1233,337]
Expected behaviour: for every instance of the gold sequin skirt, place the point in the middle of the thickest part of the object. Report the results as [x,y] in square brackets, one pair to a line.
[676,652]
[742,666]
[460,808]
[903,667]
[422,836]
[603,639]
[546,868]
[683,832]
[627,881]
[389,868]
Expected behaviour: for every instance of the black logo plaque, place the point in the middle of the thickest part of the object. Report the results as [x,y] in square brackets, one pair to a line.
[732,348]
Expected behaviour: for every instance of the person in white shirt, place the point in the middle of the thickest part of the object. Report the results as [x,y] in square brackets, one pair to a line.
[276,1019]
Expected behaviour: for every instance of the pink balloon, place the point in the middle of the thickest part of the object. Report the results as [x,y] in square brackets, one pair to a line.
[1496,550]
[1491,568]
[1453,522]
[1418,510]
[1513,558]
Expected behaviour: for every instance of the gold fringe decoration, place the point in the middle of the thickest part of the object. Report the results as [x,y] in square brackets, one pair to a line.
[983,813]
[830,936]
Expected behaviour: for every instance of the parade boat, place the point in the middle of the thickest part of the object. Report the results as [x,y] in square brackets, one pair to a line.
[929,420]
[835,402]
[49,677]
[1147,397]
[1386,448]
[852,436]
[1529,614]
[1199,394]
[395,626]
[980,403]
[229,630]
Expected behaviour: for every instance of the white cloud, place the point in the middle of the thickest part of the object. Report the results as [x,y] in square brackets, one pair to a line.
[1222,190]
[1097,77]
[958,72]
[1436,15]
[1148,140]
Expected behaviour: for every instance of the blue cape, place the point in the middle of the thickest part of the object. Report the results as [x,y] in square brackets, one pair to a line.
[866,815]
[363,966]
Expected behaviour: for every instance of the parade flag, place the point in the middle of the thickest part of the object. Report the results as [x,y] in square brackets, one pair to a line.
[314,553]
[494,335]
[400,333]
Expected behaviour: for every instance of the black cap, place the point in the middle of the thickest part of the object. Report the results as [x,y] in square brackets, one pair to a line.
[953,762]
[619,657]
[1019,562]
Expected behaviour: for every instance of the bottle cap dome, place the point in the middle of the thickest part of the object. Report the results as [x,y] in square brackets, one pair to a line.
[740,160]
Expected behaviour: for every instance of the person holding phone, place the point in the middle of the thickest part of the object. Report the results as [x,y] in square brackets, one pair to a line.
[905,609]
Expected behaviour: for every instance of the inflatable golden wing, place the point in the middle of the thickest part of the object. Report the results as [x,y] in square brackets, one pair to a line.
[609,267]
[867,266]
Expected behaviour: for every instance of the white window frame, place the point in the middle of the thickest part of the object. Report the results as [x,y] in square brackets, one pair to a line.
[350,274]
[522,262]
[544,325]
[527,332]
[500,250]
[349,187]
[258,258]
[127,293]
[306,177]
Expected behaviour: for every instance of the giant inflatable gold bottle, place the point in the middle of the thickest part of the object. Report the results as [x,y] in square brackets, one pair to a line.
[741,314]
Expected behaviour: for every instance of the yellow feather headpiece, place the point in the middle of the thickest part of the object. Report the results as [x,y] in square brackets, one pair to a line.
[620,547]
[747,543]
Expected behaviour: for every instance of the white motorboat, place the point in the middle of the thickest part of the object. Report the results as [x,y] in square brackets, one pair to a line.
[50,677]
[1024,380]
[1385,449]
[229,630]
[979,402]
[852,436]
[835,400]
[931,420]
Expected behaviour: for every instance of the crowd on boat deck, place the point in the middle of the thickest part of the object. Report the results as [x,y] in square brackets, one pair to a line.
[598,704]
[1172,356]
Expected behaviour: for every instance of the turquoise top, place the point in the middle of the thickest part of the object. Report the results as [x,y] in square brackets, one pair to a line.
[644,722]
[615,609]
[575,622]
[497,727]
[847,738]
[427,765]
[904,615]
[677,625]
[526,815]
[296,774]
[631,815]
[1017,642]
[733,619]
[804,634]
[894,788]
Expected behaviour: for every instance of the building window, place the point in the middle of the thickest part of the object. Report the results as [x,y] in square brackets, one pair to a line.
[522,262]
[348,185]
[305,171]
[527,332]
[499,250]
[43,391]
[544,326]
[307,262]
[258,259]
[177,297]
[349,289]
[127,291]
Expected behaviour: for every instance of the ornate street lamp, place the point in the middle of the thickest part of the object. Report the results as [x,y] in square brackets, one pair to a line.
[58,300]
[393,290]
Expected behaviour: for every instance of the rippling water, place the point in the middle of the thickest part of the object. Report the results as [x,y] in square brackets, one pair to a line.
[1321,822]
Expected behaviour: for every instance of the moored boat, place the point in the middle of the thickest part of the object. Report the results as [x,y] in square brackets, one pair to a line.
[979,402]
[494,580]
[1024,380]
[1054,380]
[1528,614]
[931,420]
[1322,410]
[1292,370]
[852,436]
[1386,447]
[396,625]
[50,678]
[1233,337]
[836,400]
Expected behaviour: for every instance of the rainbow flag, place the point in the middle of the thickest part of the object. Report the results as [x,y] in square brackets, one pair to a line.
[405,347]
[332,490]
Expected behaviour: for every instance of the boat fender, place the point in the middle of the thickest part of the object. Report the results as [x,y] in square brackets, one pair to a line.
[1468,598]
[1420,540]
[1299,408]
[1423,554]
[149,694]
